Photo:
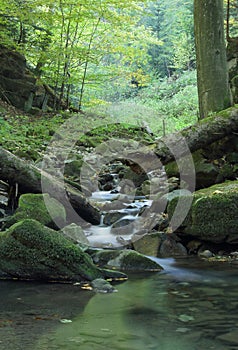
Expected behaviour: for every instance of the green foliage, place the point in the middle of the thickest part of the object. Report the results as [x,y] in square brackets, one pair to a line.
[102,56]
[172,23]
[27,136]
[64,42]
[164,103]
[233,26]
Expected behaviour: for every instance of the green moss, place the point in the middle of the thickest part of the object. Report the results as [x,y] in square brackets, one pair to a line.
[131,260]
[213,214]
[73,168]
[32,206]
[30,250]
[102,257]
[201,165]
[115,130]
[127,260]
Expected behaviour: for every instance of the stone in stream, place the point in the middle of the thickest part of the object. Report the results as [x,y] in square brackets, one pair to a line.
[76,233]
[101,286]
[112,216]
[147,244]
[127,260]
[171,248]
[29,250]
[124,225]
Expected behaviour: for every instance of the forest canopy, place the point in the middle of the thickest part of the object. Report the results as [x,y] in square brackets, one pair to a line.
[79,44]
[94,52]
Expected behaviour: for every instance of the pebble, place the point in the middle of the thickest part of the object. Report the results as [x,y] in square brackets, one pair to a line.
[205,254]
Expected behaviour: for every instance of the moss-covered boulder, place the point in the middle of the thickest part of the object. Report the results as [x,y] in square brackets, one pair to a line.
[127,260]
[206,171]
[32,206]
[213,215]
[29,250]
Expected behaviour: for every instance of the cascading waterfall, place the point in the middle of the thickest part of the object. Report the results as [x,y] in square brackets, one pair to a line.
[108,235]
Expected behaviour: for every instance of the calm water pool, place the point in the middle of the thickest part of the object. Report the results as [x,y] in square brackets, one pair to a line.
[192,305]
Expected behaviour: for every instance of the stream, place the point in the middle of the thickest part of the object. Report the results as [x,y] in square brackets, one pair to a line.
[191,305]
[103,236]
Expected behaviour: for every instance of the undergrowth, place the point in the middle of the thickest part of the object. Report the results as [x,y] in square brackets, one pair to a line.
[165,106]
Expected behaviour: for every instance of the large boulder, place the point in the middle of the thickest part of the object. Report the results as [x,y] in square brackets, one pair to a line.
[32,206]
[213,215]
[29,250]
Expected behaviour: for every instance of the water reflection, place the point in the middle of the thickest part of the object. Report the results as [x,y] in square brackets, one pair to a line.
[183,308]
[29,310]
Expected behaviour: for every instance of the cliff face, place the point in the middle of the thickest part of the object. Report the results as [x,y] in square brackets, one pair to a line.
[17,84]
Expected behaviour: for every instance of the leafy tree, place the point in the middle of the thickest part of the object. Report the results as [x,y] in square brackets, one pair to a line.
[65,41]
[231,8]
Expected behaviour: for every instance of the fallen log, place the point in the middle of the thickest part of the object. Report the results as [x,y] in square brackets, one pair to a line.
[29,179]
[199,135]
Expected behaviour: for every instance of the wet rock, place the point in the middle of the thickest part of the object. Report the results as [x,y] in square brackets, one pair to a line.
[123,226]
[76,233]
[101,286]
[173,183]
[114,205]
[151,221]
[148,244]
[205,253]
[193,246]
[128,260]
[29,250]
[32,206]
[112,216]
[170,248]
[104,178]
[154,185]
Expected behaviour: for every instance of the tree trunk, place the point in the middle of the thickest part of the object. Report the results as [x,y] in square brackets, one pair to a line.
[212,72]
[28,177]
[197,136]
